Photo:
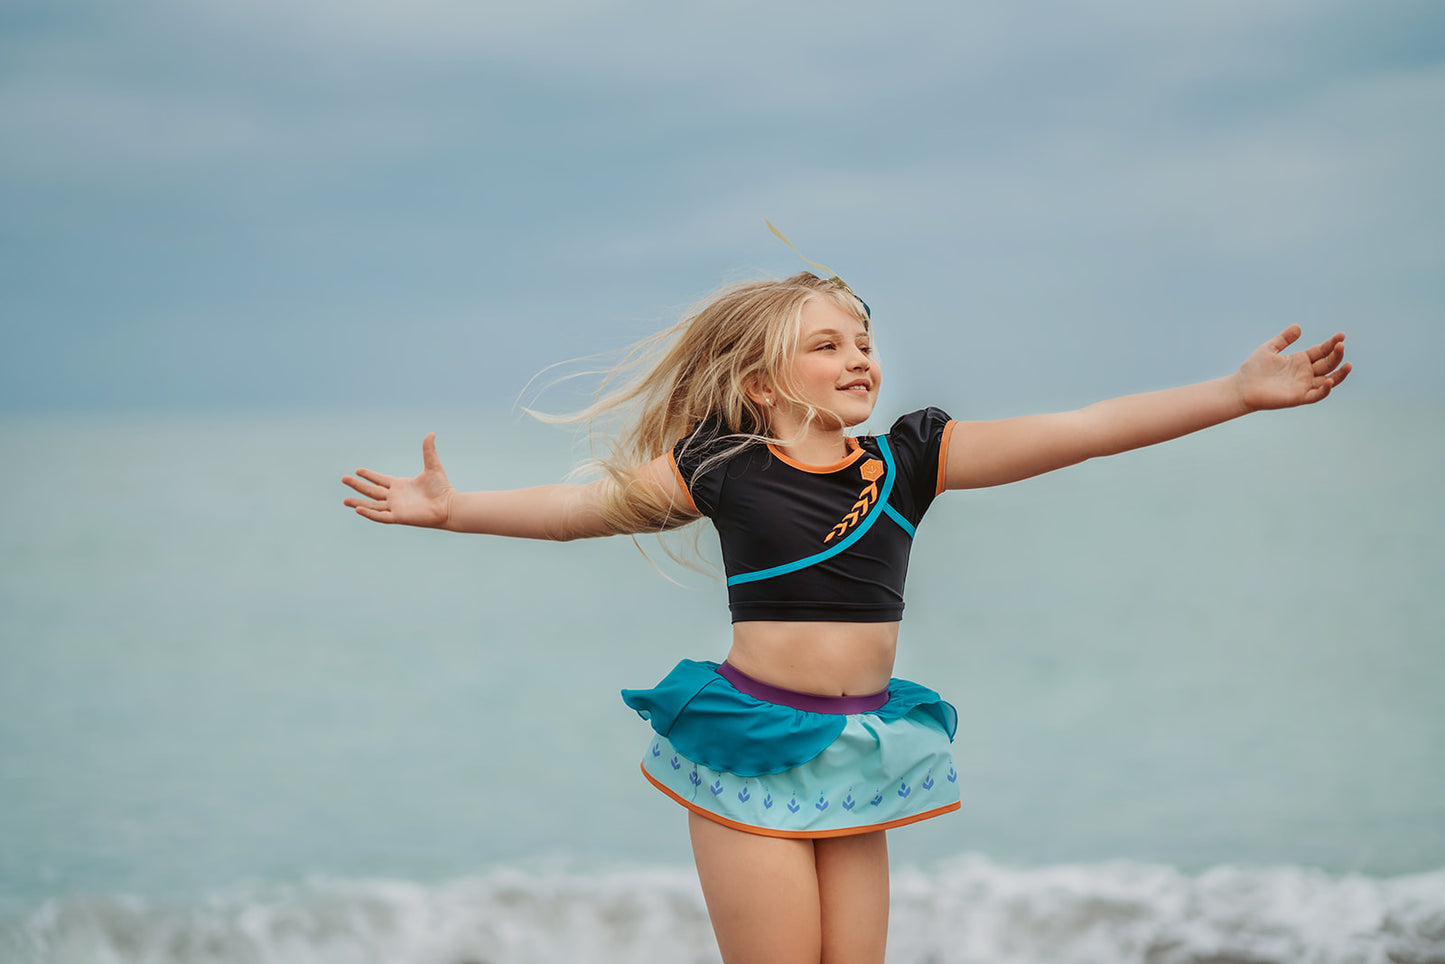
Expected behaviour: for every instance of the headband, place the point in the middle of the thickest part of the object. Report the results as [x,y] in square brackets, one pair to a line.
[821,267]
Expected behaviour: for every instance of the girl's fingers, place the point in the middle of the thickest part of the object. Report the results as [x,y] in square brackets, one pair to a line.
[1324,384]
[429,458]
[359,485]
[1284,339]
[382,480]
[1326,363]
[375,515]
[1326,347]
[366,488]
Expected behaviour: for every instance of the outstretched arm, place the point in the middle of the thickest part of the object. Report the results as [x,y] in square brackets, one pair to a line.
[993,453]
[559,512]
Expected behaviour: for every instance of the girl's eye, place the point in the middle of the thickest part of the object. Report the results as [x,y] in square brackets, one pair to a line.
[826,345]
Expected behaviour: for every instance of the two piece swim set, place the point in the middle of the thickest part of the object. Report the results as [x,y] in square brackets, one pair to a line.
[807,543]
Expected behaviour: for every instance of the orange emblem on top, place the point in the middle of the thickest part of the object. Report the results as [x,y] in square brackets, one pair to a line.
[872,471]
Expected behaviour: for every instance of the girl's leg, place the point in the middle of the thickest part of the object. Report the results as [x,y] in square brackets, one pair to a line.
[853,892]
[761,892]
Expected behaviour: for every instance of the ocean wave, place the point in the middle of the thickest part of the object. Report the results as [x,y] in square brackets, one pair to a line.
[966,910]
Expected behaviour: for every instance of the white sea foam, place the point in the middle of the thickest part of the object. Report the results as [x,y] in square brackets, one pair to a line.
[968,910]
[975,910]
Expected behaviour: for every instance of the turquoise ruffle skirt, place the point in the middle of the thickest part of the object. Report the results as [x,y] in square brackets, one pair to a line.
[774,769]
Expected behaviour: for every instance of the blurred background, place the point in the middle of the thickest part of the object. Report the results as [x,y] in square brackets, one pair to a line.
[248,248]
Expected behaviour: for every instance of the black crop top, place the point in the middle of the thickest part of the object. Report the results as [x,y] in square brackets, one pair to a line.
[822,543]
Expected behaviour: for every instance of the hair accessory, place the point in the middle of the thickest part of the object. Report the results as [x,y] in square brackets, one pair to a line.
[821,267]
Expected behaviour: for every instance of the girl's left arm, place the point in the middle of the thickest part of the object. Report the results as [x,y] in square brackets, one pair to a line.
[993,453]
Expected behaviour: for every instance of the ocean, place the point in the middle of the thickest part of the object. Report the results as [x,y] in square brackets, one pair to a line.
[1199,689]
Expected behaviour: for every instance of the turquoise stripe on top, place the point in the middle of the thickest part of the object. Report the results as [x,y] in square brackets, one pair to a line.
[897,517]
[857,534]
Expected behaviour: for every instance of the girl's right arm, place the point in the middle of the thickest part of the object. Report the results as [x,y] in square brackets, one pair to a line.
[559,512]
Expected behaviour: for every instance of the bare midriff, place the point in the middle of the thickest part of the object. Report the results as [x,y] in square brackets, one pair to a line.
[826,659]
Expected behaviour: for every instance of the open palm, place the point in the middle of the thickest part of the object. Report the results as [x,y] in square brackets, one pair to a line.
[418,501]
[1271,379]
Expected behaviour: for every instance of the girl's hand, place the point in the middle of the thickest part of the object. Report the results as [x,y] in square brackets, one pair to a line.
[1268,379]
[420,501]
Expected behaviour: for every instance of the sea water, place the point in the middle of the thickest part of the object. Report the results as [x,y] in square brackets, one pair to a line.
[1199,689]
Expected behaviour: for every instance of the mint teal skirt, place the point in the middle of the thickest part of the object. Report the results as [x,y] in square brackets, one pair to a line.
[773,762]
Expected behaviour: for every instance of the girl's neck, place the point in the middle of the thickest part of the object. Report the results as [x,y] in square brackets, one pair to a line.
[816,446]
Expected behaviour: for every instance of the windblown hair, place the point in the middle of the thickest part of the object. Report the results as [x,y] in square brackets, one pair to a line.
[741,338]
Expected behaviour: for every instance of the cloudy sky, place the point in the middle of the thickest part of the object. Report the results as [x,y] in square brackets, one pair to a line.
[353,204]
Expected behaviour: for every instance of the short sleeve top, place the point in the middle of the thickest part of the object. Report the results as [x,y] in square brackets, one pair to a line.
[825,543]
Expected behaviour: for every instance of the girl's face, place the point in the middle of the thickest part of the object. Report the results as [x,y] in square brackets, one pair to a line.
[833,367]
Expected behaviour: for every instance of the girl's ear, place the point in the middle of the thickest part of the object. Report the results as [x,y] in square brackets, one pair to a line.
[761,393]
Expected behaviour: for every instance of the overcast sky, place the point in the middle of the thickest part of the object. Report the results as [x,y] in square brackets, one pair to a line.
[351,204]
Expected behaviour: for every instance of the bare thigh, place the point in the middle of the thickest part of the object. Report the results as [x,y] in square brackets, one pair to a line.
[853,897]
[761,892]
[782,900]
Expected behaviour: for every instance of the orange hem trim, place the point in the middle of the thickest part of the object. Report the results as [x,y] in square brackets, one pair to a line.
[672,460]
[843,463]
[801,834]
[943,457]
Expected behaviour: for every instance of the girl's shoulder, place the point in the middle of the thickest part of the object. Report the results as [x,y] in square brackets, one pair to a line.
[925,426]
[704,450]
[917,445]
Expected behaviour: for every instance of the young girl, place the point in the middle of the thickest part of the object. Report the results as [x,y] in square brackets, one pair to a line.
[795,755]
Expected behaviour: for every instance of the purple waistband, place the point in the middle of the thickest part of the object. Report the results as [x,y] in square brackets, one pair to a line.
[809,702]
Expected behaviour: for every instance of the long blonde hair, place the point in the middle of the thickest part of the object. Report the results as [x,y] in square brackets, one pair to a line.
[743,337]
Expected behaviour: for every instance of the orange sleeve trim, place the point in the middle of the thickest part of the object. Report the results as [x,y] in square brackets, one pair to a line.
[943,457]
[672,460]
[802,834]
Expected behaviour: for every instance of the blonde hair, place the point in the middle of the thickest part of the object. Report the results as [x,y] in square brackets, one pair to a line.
[741,338]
